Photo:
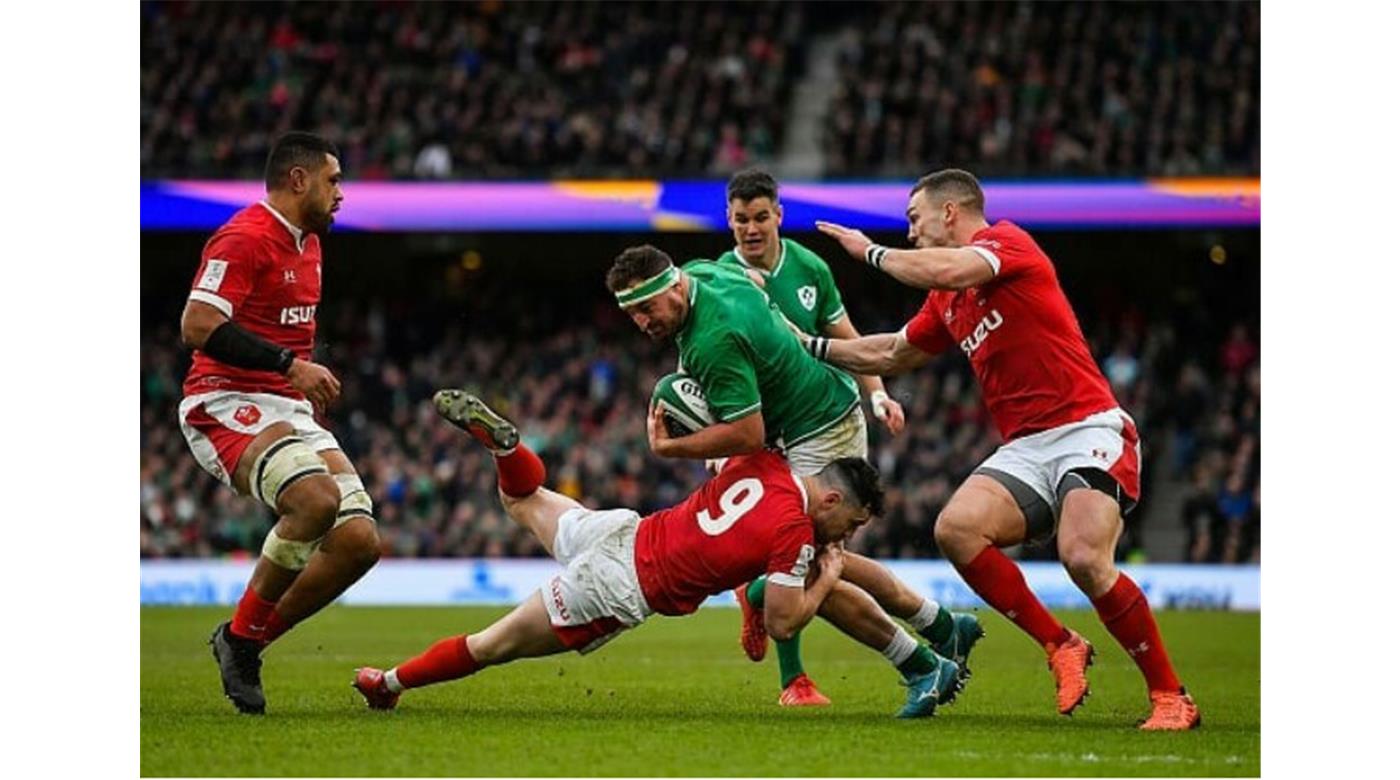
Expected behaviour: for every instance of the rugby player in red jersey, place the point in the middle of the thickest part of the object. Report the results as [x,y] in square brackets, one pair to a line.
[251,401]
[755,517]
[1070,462]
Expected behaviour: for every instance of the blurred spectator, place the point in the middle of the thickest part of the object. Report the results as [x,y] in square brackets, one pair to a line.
[640,89]
[1218,442]
[472,90]
[1163,89]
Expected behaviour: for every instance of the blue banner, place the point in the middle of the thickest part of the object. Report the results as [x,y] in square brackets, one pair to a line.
[646,206]
[497,581]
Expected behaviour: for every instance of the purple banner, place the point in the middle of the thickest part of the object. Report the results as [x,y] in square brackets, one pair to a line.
[645,206]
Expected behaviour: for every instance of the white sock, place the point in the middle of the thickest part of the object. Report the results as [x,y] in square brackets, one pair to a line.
[925,616]
[900,648]
[391,680]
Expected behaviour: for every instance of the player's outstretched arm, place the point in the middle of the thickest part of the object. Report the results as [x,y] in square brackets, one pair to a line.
[885,354]
[886,409]
[720,440]
[937,268]
[787,609]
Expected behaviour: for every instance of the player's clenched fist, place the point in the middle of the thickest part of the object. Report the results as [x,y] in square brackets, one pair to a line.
[315,381]
[830,562]
[853,241]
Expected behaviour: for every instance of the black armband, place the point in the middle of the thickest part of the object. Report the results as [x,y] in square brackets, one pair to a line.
[235,346]
[818,347]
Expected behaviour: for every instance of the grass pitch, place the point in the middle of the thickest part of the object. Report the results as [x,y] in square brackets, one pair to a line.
[678,697]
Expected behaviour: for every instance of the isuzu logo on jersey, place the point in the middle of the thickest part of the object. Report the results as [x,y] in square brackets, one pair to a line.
[298,315]
[988,324]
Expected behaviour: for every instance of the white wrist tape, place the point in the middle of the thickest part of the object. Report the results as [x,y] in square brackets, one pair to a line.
[877,404]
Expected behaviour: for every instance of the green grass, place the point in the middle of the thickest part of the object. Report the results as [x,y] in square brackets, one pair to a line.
[678,697]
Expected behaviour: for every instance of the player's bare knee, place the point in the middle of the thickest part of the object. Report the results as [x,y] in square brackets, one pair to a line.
[358,544]
[957,532]
[313,504]
[1088,563]
[778,633]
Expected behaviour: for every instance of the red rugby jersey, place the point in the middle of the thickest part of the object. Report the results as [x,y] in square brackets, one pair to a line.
[749,520]
[264,274]
[1021,336]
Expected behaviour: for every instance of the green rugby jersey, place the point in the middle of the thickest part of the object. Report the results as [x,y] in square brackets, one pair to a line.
[800,284]
[736,345]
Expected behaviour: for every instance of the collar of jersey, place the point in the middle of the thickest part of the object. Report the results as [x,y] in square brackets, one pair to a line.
[298,235]
[778,266]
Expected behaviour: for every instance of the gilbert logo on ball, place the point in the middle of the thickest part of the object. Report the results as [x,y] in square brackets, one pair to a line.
[683,405]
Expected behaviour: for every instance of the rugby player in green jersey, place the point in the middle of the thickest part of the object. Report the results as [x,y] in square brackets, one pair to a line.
[796,279]
[763,391]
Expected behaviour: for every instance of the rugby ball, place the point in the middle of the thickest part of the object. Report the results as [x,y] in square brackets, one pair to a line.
[683,406]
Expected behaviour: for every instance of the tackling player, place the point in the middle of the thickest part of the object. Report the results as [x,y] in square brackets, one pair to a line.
[1070,462]
[756,516]
[251,399]
[764,390]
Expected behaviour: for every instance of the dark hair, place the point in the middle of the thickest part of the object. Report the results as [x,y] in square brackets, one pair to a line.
[751,183]
[955,185]
[295,150]
[635,264]
[858,481]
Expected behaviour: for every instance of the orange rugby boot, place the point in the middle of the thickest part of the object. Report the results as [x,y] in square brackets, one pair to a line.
[752,635]
[1068,661]
[1171,711]
[802,692]
[370,683]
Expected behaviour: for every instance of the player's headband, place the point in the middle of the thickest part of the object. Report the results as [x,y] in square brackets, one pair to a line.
[649,288]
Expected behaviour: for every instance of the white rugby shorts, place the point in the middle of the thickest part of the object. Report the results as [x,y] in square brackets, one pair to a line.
[220,425]
[1106,441]
[597,596]
[846,439]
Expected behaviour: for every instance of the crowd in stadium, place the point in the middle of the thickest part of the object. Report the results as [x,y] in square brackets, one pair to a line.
[505,90]
[446,90]
[578,383]
[1049,88]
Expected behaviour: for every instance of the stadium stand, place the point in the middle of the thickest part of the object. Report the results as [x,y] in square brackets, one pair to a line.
[1048,88]
[619,90]
[480,90]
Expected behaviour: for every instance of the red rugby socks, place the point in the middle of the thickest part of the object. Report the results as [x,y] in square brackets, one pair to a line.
[276,627]
[1000,583]
[447,659]
[1124,611]
[521,472]
[251,616]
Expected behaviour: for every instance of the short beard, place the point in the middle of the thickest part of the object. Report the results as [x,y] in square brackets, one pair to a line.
[320,224]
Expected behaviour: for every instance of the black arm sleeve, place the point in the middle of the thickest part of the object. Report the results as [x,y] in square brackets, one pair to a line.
[237,347]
